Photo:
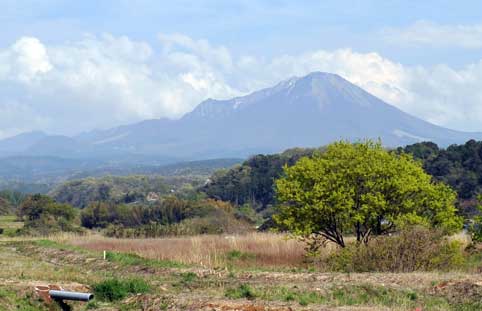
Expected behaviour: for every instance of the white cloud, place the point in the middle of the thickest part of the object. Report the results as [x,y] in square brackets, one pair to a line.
[25,60]
[432,34]
[100,82]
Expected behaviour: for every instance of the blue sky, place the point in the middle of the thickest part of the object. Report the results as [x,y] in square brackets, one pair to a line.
[116,62]
[266,28]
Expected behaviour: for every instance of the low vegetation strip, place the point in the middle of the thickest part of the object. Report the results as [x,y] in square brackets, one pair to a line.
[136,260]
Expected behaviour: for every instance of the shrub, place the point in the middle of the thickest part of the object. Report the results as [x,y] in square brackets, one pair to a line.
[417,249]
[43,216]
[137,286]
[115,289]
[110,290]
[242,291]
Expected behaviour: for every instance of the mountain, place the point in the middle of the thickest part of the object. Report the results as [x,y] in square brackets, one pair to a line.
[310,111]
[307,112]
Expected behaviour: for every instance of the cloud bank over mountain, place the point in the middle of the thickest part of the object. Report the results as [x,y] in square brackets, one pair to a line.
[104,81]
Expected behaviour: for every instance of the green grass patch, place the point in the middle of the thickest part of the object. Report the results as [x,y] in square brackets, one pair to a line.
[12,300]
[116,289]
[136,260]
[368,294]
[55,245]
[187,280]
[345,295]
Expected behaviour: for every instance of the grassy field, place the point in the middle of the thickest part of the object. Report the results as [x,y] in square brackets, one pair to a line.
[251,272]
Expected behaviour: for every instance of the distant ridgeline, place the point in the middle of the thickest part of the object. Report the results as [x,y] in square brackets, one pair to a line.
[460,166]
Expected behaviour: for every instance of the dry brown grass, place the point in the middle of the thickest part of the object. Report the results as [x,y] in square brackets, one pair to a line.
[261,249]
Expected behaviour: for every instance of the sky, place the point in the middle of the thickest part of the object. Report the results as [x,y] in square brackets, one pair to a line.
[68,67]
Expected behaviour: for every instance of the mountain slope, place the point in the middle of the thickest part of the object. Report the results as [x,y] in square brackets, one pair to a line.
[307,112]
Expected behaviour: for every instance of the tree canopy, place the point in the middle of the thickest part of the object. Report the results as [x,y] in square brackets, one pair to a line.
[42,215]
[362,189]
[459,166]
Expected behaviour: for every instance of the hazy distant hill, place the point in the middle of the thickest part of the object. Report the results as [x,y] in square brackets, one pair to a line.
[39,174]
[20,143]
[306,112]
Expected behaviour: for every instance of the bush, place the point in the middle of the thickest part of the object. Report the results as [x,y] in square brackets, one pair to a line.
[242,291]
[115,289]
[110,290]
[475,228]
[417,249]
[43,216]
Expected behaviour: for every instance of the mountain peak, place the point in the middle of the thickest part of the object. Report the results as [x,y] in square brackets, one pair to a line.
[323,75]
[317,76]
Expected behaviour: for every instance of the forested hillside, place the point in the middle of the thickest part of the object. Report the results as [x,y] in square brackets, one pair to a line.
[252,181]
[459,166]
[127,189]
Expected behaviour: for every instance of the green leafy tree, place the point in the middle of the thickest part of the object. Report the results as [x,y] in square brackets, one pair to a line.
[362,189]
